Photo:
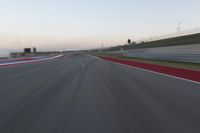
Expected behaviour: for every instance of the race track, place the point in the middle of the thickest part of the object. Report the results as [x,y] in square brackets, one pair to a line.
[83,94]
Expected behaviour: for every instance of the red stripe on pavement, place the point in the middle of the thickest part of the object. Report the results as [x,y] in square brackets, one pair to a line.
[178,72]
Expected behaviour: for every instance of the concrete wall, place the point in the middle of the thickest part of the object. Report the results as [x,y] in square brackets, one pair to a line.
[185,53]
[183,49]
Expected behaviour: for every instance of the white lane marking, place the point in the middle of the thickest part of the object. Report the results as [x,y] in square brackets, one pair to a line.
[93,56]
[188,80]
[22,62]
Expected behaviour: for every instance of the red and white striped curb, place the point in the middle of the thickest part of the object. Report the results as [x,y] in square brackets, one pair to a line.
[29,61]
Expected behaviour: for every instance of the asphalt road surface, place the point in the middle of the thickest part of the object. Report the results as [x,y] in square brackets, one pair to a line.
[83,94]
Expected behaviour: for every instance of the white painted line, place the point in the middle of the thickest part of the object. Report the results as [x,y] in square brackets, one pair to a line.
[30,61]
[94,56]
[188,80]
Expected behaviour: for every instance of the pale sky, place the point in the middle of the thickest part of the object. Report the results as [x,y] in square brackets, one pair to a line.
[82,24]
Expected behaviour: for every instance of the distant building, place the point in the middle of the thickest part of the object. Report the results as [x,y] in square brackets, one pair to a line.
[129,41]
[34,50]
[27,50]
[4,54]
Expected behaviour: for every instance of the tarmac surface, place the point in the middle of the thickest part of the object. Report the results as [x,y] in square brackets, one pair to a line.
[84,94]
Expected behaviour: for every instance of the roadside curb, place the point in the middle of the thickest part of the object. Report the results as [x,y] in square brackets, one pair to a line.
[24,61]
[177,72]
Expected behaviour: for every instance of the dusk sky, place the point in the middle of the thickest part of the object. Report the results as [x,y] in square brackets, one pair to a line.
[83,24]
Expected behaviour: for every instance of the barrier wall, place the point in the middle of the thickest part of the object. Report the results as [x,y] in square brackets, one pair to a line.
[185,53]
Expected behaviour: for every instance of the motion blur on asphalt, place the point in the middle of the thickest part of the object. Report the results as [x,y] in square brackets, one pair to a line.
[99,66]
